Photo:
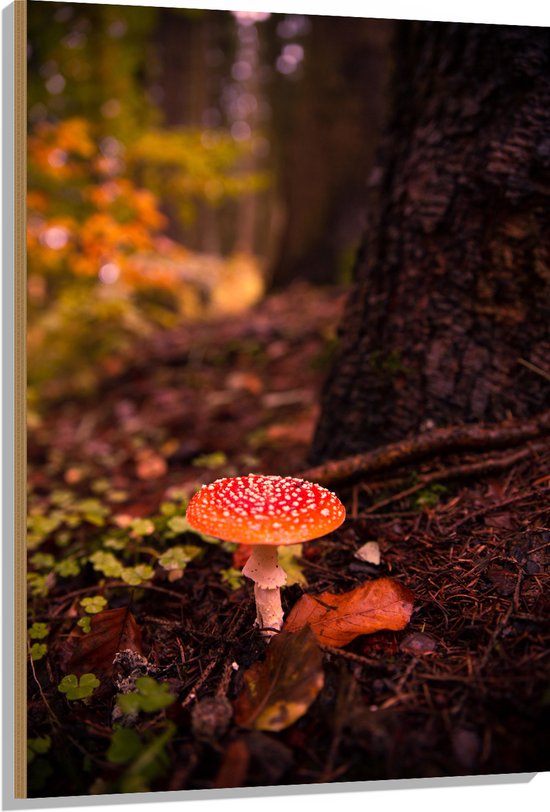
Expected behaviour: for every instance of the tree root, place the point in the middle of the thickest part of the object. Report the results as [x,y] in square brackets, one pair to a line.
[476,437]
[501,462]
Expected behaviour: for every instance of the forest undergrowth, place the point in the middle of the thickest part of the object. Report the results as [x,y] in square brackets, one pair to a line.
[144,661]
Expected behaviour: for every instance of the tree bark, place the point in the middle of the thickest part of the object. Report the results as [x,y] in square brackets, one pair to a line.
[452,277]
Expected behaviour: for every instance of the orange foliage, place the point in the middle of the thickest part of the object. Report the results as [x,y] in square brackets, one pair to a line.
[111,221]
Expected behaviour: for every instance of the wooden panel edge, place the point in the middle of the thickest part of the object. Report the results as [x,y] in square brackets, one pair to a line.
[20,382]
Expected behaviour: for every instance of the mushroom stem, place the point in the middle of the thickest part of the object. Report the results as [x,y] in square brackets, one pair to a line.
[262,568]
[269,610]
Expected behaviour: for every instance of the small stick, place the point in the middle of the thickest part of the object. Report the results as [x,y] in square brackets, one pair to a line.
[463,437]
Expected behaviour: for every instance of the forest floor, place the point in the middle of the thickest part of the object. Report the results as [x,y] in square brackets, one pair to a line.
[121,588]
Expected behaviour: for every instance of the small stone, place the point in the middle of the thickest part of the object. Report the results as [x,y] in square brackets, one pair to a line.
[210,718]
[418,643]
[369,552]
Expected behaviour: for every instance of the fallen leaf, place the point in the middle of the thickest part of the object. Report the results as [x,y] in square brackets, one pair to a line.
[280,689]
[337,619]
[111,631]
[234,767]
[289,560]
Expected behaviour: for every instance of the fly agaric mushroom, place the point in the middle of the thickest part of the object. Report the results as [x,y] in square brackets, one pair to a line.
[265,512]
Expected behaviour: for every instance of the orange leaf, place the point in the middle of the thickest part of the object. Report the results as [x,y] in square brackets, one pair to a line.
[279,690]
[337,619]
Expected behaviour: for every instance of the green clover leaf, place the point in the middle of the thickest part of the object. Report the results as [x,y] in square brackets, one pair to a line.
[75,688]
[38,650]
[38,631]
[177,558]
[38,747]
[136,575]
[106,563]
[85,623]
[125,746]
[149,696]
[94,604]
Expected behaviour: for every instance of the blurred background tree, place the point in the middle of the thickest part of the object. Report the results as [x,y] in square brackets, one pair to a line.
[181,161]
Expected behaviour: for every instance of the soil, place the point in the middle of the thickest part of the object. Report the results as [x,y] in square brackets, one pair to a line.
[463,689]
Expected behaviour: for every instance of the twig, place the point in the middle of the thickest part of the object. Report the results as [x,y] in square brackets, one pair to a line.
[492,464]
[53,717]
[466,438]
[356,658]
[534,368]
[192,695]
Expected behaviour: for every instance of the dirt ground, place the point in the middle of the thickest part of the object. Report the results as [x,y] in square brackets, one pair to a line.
[463,689]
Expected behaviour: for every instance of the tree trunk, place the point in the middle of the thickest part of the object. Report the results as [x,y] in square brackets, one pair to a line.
[325,130]
[448,319]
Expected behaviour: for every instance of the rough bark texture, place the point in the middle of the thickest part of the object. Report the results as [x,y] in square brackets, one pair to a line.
[452,278]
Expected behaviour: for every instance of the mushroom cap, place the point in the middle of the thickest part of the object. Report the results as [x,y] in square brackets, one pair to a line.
[258,509]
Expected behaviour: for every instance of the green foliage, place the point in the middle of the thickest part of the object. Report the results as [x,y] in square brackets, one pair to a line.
[106,563]
[42,561]
[78,688]
[94,604]
[142,527]
[179,525]
[40,526]
[429,497]
[85,624]
[212,461]
[38,747]
[125,745]
[177,558]
[38,631]
[150,696]
[38,650]
[147,756]
[189,165]
[137,575]
[37,584]
[232,577]
[92,511]
[67,567]
[289,559]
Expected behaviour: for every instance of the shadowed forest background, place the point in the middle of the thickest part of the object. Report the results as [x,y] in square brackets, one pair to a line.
[303,246]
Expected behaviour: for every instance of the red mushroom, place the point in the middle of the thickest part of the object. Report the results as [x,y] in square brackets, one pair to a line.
[265,512]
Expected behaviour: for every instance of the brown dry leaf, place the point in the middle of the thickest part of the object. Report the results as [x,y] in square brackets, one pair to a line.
[279,690]
[234,767]
[337,619]
[111,631]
